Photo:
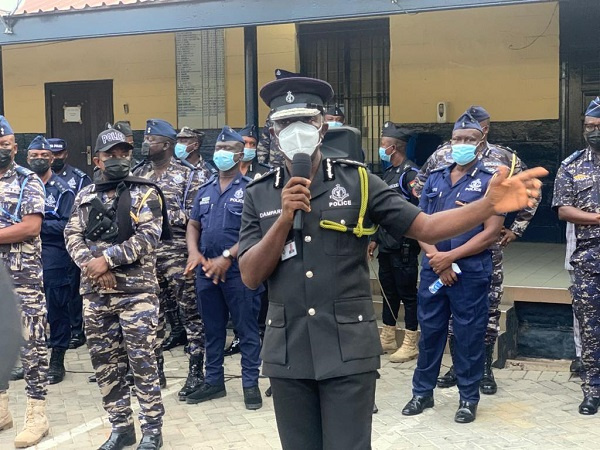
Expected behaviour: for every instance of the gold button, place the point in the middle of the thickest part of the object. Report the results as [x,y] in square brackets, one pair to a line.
[311,312]
[307,239]
[343,222]
[360,317]
[309,274]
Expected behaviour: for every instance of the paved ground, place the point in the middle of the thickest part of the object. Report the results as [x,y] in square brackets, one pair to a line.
[532,409]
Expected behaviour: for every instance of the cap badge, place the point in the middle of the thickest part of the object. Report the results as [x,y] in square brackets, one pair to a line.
[289,97]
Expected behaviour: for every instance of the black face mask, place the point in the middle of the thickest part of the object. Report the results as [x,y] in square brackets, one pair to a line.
[5,158]
[145,149]
[593,139]
[58,164]
[116,169]
[39,165]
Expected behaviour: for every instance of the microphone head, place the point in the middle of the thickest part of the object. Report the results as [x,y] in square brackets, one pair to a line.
[301,165]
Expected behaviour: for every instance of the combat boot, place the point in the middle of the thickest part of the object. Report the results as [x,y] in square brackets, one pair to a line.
[36,424]
[409,349]
[178,335]
[160,362]
[449,378]
[56,371]
[388,338]
[488,385]
[195,377]
[6,420]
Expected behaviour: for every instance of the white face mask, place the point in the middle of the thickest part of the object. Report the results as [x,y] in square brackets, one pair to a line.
[299,137]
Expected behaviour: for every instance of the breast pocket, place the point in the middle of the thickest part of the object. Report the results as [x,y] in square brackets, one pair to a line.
[586,196]
[274,349]
[204,216]
[338,243]
[357,329]
[232,217]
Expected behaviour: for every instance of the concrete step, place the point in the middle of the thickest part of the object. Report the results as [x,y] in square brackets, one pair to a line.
[539,364]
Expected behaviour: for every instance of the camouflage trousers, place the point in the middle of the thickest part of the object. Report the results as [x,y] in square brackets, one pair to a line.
[586,305]
[179,292]
[34,352]
[120,327]
[495,297]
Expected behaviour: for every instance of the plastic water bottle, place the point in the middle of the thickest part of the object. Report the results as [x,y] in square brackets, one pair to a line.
[437,284]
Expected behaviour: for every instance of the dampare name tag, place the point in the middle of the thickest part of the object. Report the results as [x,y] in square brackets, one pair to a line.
[289,250]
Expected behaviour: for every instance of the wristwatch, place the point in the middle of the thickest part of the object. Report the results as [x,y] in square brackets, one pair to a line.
[227,254]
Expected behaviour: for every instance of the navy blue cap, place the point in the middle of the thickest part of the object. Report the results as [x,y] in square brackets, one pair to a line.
[478,112]
[467,121]
[159,127]
[390,129]
[296,97]
[335,111]
[250,131]
[5,129]
[39,143]
[228,134]
[594,109]
[57,145]
[110,138]
[280,73]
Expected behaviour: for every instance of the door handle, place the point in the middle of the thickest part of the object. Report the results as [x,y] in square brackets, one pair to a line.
[88,152]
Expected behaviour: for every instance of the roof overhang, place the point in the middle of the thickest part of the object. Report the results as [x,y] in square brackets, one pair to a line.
[161,17]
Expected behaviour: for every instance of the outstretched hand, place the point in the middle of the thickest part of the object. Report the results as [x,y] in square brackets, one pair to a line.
[517,192]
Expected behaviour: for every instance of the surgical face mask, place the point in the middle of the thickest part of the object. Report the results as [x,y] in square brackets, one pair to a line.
[224,160]
[181,151]
[383,155]
[249,154]
[58,164]
[5,158]
[334,124]
[116,168]
[299,137]
[39,165]
[463,154]
[593,139]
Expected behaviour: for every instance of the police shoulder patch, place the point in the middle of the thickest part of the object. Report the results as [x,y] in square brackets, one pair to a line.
[80,173]
[61,185]
[572,157]
[267,175]
[348,162]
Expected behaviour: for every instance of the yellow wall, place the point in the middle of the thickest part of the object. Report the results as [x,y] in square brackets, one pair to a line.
[235,91]
[467,57]
[142,67]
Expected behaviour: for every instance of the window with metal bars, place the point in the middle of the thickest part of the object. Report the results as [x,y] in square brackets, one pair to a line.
[353,56]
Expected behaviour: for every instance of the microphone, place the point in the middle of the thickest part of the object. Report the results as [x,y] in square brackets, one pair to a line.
[301,167]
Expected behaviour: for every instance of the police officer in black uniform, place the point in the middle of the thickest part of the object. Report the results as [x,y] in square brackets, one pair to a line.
[321,346]
[77,179]
[398,265]
[249,166]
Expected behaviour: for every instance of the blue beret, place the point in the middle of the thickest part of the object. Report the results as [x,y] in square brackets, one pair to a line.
[5,129]
[467,121]
[280,73]
[250,131]
[228,134]
[594,109]
[39,143]
[159,127]
[478,112]
[56,144]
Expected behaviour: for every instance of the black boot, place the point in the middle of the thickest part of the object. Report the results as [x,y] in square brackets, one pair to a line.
[160,362]
[119,439]
[177,336]
[150,442]
[56,370]
[449,378]
[576,366]
[488,385]
[195,377]
[77,340]
[234,348]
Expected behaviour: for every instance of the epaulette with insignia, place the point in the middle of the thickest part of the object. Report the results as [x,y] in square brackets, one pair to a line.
[245,178]
[441,169]
[264,176]
[328,163]
[348,162]
[573,157]
[207,182]
[23,171]
[503,147]
[62,186]
[80,173]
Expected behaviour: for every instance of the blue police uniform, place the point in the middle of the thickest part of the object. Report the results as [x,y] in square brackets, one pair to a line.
[220,216]
[76,180]
[56,261]
[466,300]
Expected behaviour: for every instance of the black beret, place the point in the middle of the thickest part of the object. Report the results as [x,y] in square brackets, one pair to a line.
[390,129]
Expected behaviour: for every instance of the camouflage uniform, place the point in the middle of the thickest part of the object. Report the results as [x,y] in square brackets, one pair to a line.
[266,151]
[121,323]
[179,185]
[577,185]
[22,193]
[492,156]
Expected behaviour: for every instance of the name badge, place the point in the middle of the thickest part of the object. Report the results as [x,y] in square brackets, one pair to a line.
[289,250]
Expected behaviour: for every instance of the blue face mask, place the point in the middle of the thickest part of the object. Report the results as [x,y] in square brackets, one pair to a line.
[383,155]
[249,154]
[181,151]
[224,160]
[463,154]
[334,124]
